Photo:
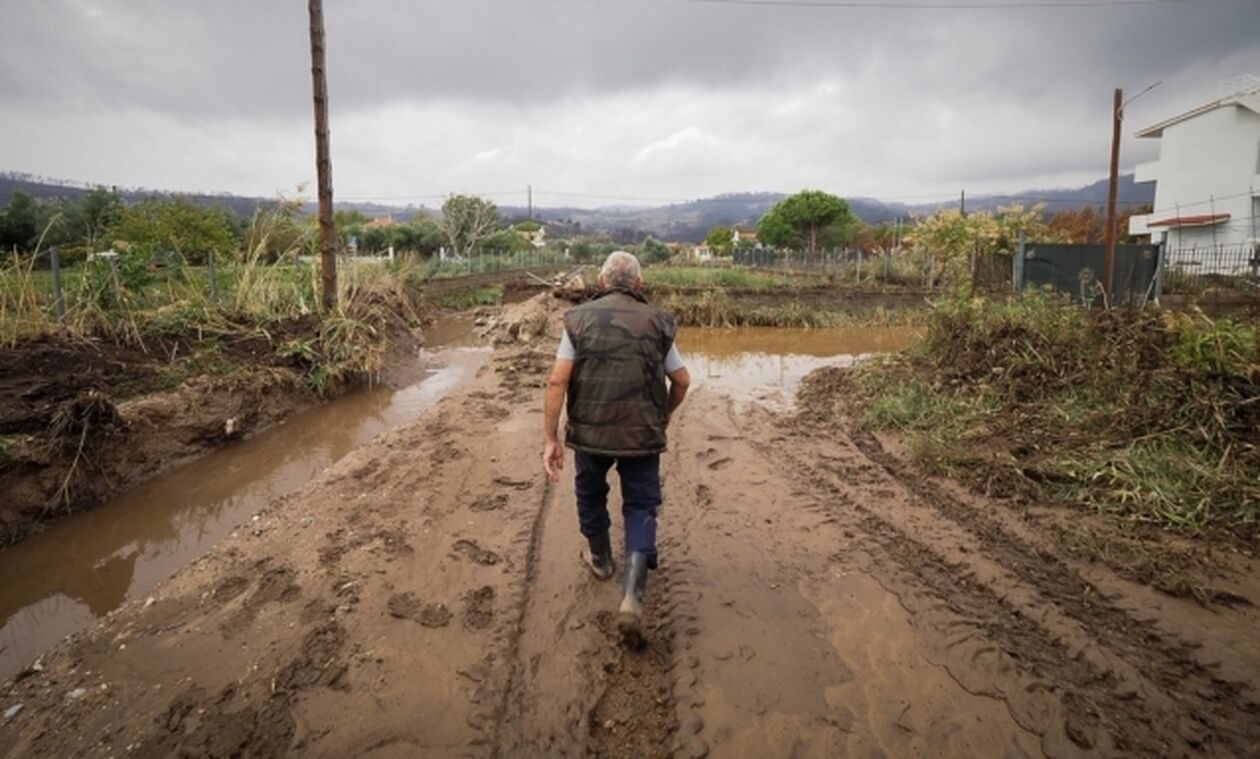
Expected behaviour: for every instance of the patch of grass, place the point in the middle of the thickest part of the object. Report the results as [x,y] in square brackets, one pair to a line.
[461,300]
[724,277]
[256,288]
[716,308]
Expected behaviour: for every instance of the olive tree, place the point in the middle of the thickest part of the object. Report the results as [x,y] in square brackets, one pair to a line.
[467,220]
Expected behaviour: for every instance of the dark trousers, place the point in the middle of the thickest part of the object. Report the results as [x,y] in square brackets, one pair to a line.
[640,497]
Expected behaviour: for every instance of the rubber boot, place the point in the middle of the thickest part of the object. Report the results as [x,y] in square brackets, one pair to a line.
[630,615]
[598,556]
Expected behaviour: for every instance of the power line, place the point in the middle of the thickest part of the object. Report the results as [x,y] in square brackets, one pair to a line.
[947,6]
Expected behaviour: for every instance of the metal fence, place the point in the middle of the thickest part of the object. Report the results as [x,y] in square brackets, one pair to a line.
[1212,270]
[895,267]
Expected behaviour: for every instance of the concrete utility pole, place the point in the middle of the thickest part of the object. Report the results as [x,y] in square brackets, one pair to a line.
[323,163]
[529,191]
[1109,234]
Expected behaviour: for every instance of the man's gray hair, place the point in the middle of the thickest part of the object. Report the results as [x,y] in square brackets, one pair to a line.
[621,269]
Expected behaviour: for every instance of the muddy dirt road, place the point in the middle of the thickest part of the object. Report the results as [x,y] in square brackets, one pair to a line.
[818,596]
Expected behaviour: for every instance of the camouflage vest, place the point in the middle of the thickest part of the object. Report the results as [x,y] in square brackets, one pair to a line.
[617,397]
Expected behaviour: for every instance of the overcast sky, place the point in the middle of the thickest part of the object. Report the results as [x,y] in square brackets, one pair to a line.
[611,100]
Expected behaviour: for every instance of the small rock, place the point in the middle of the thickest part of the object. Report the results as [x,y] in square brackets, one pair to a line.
[149,601]
[13,711]
[77,693]
[610,724]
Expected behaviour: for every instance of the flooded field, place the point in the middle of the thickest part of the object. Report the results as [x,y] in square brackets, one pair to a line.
[87,565]
[766,364]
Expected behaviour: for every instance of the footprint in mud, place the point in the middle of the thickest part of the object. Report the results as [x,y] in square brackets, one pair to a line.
[230,588]
[495,411]
[489,502]
[508,482]
[721,463]
[276,585]
[704,496]
[479,608]
[407,606]
[318,663]
[365,470]
[475,553]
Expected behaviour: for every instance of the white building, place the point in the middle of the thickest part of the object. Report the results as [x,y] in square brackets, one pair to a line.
[1207,177]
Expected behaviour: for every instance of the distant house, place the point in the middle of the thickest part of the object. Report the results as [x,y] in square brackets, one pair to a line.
[743,238]
[702,253]
[382,221]
[1207,177]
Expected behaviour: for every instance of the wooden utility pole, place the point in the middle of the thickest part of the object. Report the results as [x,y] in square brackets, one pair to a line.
[323,163]
[1109,234]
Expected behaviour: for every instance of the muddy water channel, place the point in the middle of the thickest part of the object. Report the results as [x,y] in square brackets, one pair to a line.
[766,364]
[85,566]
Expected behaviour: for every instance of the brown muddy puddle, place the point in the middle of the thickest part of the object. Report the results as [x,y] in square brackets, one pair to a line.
[85,566]
[766,364]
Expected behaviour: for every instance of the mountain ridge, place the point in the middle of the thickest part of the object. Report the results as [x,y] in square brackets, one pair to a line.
[679,221]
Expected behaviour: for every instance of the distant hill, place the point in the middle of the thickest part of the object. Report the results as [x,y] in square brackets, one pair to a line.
[682,222]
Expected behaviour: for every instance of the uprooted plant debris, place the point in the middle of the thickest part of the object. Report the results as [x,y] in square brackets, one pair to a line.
[1148,415]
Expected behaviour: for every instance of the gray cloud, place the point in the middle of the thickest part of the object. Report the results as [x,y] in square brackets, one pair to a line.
[645,97]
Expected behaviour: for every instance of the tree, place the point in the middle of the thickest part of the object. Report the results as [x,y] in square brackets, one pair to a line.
[19,223]
[505,241]
[175,225]
[467,220]
[805,220]
[90,218]
[720,240]
[653,251]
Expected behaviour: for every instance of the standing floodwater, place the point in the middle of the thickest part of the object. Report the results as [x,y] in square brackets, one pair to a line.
[83,567]
[767,363]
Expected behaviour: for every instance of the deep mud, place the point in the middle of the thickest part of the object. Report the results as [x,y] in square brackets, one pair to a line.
[818,596]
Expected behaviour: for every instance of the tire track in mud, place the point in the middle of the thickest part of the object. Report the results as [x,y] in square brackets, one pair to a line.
[1101,709]
[511,695]
[1162,657]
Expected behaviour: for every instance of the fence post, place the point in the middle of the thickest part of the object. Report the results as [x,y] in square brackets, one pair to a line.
[1017,266]
[857,277]
[59,301]
[214,282]
[887,264]
[1158,290]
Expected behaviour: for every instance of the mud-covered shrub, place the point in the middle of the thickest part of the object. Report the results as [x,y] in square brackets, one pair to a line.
[1150,415]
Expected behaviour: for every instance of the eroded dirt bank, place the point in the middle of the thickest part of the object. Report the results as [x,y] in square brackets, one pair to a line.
[82,419]
[818,596]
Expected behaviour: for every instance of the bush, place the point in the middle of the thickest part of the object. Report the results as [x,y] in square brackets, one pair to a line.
[1145,414]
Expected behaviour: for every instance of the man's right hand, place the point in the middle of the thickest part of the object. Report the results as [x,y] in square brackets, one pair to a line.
[553,459]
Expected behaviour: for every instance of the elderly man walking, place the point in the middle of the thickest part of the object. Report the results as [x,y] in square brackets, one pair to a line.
[614,358]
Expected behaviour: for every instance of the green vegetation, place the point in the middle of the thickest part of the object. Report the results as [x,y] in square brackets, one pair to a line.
[716,308]
[128,300]
[1145,415]
[725,277]
[490,295]
[808,220]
